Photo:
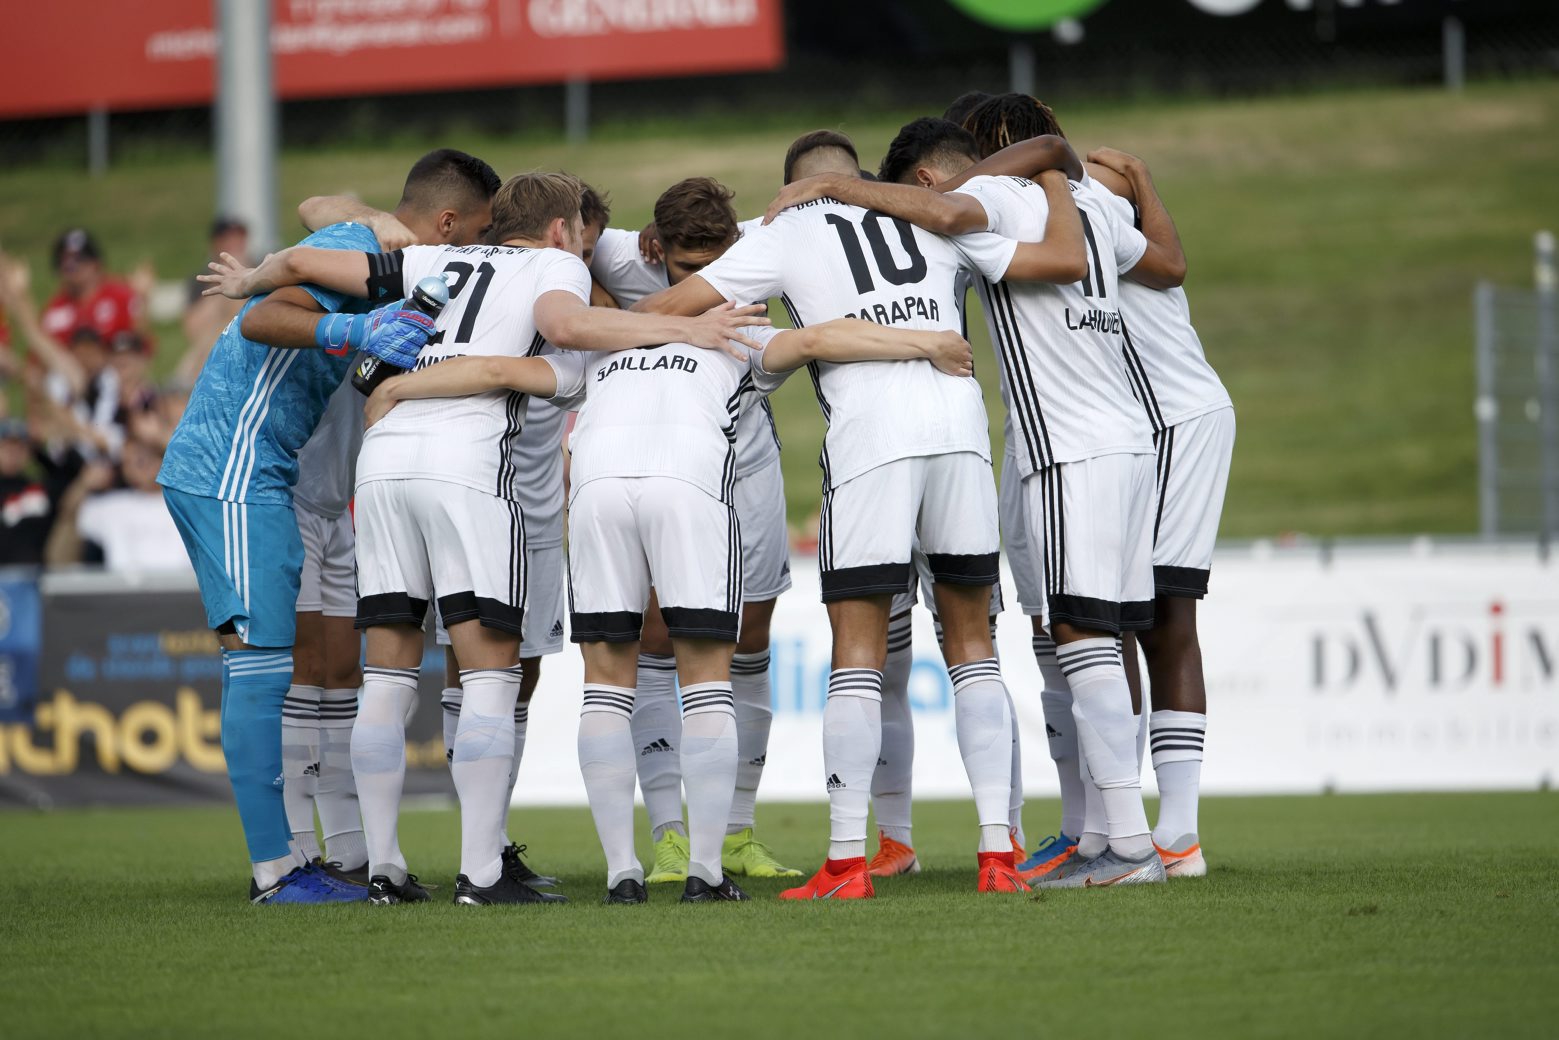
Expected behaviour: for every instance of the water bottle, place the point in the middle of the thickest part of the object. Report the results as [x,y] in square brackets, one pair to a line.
[429,297]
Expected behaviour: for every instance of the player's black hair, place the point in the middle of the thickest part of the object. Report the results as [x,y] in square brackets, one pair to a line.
[811,142]
[1009,118]
[963,104]
[595,208]
[449,179]
[926,140]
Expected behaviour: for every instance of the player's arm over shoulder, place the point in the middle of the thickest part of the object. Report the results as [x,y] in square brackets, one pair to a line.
[462,377]
[851,339]
[1058,257]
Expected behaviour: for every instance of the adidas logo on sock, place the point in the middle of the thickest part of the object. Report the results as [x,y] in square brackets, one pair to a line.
[557,628]
[834,783]
[759,761]
[312,769]
[656,745]
[1051,731]
[882,761]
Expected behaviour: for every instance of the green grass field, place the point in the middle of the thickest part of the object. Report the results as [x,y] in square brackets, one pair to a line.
[1334,242]
[1380,916]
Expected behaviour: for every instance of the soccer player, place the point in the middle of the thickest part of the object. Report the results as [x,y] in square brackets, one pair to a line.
[437,511]
[1083,445]
[653,477]
[228,475]
[321,704]
[695,224]
[906,457]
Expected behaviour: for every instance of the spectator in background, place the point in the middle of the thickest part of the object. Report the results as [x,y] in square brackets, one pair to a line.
[206,316]
[76,376]
[128,524]
[27,502]
[87,296]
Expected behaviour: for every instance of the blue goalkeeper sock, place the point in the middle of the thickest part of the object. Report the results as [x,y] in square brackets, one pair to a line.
[254,684]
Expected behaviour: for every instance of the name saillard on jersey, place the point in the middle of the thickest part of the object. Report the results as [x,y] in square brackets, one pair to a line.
[642,363]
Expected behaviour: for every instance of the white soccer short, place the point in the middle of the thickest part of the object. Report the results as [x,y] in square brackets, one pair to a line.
[760,506]
[870,525]
[1193,474]
[420,538]
[1023,554]
[626,534]
[921,590]
[546,592]
[1093,522]
[329,581]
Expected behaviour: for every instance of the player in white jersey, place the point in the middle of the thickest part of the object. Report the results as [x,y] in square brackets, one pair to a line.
[695,224]
[1193,430]
[436,507]
[906,456]
[653,503]
[1083,447]
[321,704]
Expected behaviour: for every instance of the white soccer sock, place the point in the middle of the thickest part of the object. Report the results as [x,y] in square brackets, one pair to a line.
[449,701]
[606,761]
[852,741]
[981,714]
[1142,731]
[1107,735]
[709,744]
[1095,837]
[1015,799]
[521,725]
[300,765]
[1055,699]
[754,716]
[484,754]
[893,780]
[1178,737]
[340,817]
[378,745]
[657,733]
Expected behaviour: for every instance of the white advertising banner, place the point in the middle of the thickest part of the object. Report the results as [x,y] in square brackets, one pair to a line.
[1391,668]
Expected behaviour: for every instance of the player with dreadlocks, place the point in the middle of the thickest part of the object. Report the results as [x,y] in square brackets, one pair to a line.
[1080,448]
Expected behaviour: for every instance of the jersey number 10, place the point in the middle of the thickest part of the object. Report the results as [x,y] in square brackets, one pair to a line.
[887,263]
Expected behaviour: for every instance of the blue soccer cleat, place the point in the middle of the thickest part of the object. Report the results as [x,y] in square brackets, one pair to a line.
[308,884]
[1052,853]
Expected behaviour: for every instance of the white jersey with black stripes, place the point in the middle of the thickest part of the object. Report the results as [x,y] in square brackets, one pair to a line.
[1070,390]
[623,272]
[663,412]
[492,295]
[827,260]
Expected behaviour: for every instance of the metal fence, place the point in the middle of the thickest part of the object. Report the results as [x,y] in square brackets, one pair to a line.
[1518,403]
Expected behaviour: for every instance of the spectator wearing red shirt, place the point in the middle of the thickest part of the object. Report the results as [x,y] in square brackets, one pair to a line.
[87,295]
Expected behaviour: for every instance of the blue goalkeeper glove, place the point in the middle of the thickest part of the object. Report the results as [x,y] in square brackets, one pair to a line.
[339,334]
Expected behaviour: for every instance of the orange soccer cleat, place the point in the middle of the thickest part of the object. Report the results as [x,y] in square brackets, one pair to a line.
[1183,858]
[998,873]
[1019,852]
[838,879]
[893,858]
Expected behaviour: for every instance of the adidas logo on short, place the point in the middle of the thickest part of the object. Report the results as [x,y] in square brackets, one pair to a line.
[882,761]
[656,745]
[834,783]
[557,628]
[312,769]
[1051,731]
[759,761]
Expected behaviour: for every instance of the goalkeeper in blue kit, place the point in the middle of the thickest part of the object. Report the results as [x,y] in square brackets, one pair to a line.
[228,475]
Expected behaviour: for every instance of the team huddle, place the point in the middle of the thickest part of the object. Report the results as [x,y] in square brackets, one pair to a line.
[1118,442]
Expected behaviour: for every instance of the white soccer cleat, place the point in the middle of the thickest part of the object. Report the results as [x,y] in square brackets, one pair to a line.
[1183,857]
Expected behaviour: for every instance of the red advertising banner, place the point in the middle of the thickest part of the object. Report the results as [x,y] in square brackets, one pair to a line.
[68,56]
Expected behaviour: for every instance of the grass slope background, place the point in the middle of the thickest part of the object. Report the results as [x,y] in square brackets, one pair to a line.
[1334,241]
[1382,916]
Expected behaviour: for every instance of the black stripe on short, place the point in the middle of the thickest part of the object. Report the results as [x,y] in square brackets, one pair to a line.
[877,579]
[1185,582]
[956,569]
[701,623]
[1101,614]
[609,626]
[468,606]
[390,608]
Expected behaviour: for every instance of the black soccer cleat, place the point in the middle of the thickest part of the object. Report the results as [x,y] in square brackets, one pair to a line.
[698,890]
[384,892]
[626,892]
[514,866]
[505,890]
[332,867]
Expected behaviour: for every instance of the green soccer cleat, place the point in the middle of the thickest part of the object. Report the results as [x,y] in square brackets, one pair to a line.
[671,855]
[745,856]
